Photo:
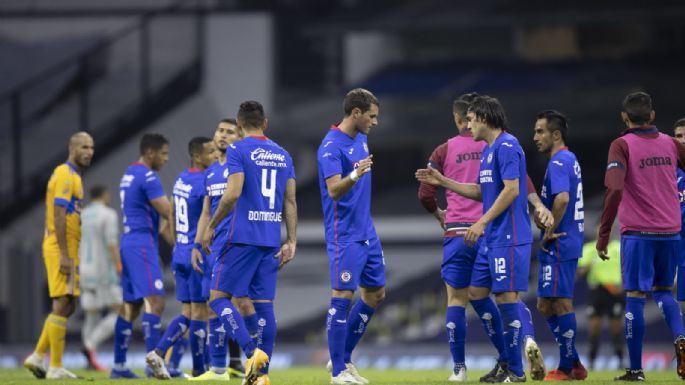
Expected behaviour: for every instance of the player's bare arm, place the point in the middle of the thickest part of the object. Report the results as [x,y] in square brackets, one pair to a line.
[338,186]
[504,199]
[65,262]
[558,209]
[434,177]
[226,204]
[541,214]
[196,255]
[287,252]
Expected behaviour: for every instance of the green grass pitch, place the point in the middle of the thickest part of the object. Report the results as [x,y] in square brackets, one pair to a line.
[318,376]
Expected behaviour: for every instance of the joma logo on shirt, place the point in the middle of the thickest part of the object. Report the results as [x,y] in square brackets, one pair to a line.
[655,161]
[468,156]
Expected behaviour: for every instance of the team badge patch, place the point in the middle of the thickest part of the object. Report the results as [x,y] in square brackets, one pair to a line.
[158,284]
[366,148]
[345,276]
[226,173]
[489,157]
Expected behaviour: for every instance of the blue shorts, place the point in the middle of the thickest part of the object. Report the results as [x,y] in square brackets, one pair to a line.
[188,281]
[681,283]
[354,264]
[210,259]
[481,268]
[247,271]
[457,261]
[509,268]
[555,279]
[647,262]
[142,274]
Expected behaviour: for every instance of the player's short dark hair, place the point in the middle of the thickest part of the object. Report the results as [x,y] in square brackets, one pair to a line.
[490,111]
[196,145]
[251,114]
[679,123]
[556,121]
[359,98]
[152,141]
[229,121]
[460,107]
[97,191]
[468,97]
[638,106]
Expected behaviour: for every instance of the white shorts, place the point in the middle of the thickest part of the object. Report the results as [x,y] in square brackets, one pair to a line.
[101,297]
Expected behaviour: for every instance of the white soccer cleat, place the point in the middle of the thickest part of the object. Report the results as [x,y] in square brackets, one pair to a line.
[354,372]
[329,366]
[156,364]
[536,364]
[60,374]
[345,378]
[211,375]
[458,377]
[35,364]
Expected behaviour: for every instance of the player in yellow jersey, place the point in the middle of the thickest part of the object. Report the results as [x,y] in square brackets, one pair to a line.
[60,254]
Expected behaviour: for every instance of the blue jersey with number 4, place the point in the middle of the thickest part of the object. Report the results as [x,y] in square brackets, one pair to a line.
[258,213]
[137,188]
[505,160]
[189,194]
[563,175]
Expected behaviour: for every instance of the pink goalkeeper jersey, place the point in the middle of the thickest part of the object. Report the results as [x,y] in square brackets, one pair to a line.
[650,195]
[461,163]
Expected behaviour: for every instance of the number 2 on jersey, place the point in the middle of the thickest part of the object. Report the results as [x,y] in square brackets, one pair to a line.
[270,190]
[579,213]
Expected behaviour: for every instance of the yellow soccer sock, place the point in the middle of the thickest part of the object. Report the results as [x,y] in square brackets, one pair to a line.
[57,330]
[43,341]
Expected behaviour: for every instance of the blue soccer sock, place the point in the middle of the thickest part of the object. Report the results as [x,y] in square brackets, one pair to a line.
[198,339]
[634,328]
[177,351]
[456,334]
[177,327]
[336,327]
[266,333]
[492,323]
[152,327]
[671,311]
[527,329]
[234,324]
[358,319]
[567,341]
[553,322]
[122,338]
[217,345]
[511,317]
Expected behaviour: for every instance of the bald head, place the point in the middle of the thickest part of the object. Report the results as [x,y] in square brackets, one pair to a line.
[81,149]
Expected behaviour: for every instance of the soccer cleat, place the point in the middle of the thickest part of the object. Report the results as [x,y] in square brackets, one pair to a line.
[679,345]
[60,374]
[254,364]
[263,379]
[500,367]
[355,373]
[509,376]
[236,369]
[536,364]
[329,366]
[458,376]
[126,373]
[35,365]
[345,378]
[156,365]
[557,375]
[93,364]
[631,375]
[579,372]
[211,375]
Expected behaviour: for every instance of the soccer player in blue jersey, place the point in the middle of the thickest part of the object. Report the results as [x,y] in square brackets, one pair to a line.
[142,203]
[216,177]
[261,195]
[354,251]
[188,196]
[562,243]
[505,223]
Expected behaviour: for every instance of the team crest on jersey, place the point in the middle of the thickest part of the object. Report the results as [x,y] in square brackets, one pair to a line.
[345,276]
[490,158]
[226,173]
[366,148]
[159,285]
